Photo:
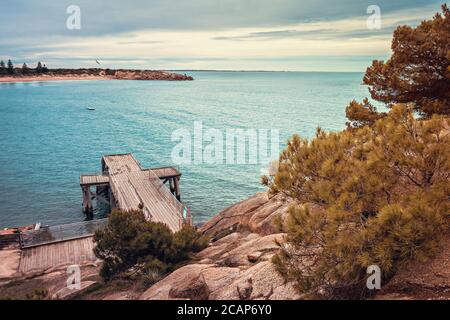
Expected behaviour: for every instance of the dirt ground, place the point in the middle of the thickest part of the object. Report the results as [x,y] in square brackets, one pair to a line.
[9,263]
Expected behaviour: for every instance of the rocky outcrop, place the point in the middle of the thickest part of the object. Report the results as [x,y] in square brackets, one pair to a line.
[150,75]
[255,214]
[54,284]
[237,263]
[236,267]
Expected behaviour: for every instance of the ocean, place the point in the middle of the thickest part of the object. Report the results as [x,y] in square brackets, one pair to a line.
[49,137]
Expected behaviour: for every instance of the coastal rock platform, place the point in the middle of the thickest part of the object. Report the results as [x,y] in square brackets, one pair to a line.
[237,264]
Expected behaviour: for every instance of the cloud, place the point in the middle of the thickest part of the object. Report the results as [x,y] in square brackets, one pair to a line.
[351,28]
[48,17]
[221,34]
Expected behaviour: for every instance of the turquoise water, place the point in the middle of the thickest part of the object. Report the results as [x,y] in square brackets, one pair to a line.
[49,138]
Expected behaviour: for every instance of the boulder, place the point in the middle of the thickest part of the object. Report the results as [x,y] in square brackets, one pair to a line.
[178,280]
[196,289]
[255,214]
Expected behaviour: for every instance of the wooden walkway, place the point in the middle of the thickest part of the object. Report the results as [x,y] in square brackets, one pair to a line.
[89,180]
[132,187]
[99,180]
[56,255]
[123,184]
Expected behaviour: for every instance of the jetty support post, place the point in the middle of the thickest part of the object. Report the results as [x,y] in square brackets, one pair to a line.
[174,186]
[112,200]
[88,208]
[177,188]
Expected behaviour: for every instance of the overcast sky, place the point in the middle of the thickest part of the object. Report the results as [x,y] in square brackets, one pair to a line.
[305,35]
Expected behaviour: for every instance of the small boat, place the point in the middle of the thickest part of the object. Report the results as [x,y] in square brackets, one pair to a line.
[91,109]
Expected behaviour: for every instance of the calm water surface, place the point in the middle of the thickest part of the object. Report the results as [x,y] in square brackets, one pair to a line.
[48,137]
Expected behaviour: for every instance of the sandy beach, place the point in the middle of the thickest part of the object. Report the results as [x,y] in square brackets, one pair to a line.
[42,78]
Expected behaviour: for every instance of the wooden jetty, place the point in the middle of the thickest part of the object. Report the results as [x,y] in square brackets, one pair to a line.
[125,185]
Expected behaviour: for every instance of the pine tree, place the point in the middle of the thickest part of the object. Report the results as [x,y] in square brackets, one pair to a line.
[370,196]
[10,67]
[377,194]
[417,73]
[25,68]
[39,67]
[362,114]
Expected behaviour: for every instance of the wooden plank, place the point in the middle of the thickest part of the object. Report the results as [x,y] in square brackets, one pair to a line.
[166,172]
[42,258]
[94,180]
[134,187]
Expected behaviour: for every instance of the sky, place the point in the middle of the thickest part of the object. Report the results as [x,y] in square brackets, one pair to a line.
[288,35]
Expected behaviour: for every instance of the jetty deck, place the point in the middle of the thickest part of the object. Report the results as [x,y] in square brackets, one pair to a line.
[131,187]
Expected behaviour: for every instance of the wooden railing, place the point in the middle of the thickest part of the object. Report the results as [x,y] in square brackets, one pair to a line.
[66,232]
[182,210]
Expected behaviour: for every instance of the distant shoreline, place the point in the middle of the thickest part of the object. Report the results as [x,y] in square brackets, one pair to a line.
[91,74]
[260,71]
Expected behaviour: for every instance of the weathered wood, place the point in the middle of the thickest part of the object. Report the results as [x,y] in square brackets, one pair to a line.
[172,185]
[166,172]
[112,200]
[94,180]
[87,201]
[134,188]
[42,258]
[177,188]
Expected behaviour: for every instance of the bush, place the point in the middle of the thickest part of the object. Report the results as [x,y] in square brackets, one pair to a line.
[131,243]
[189,240]
[382,194]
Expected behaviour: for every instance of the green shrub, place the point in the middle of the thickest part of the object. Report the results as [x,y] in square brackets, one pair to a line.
[189,240]
[131,243]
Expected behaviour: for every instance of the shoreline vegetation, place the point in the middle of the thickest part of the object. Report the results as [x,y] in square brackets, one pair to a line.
[10,74]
